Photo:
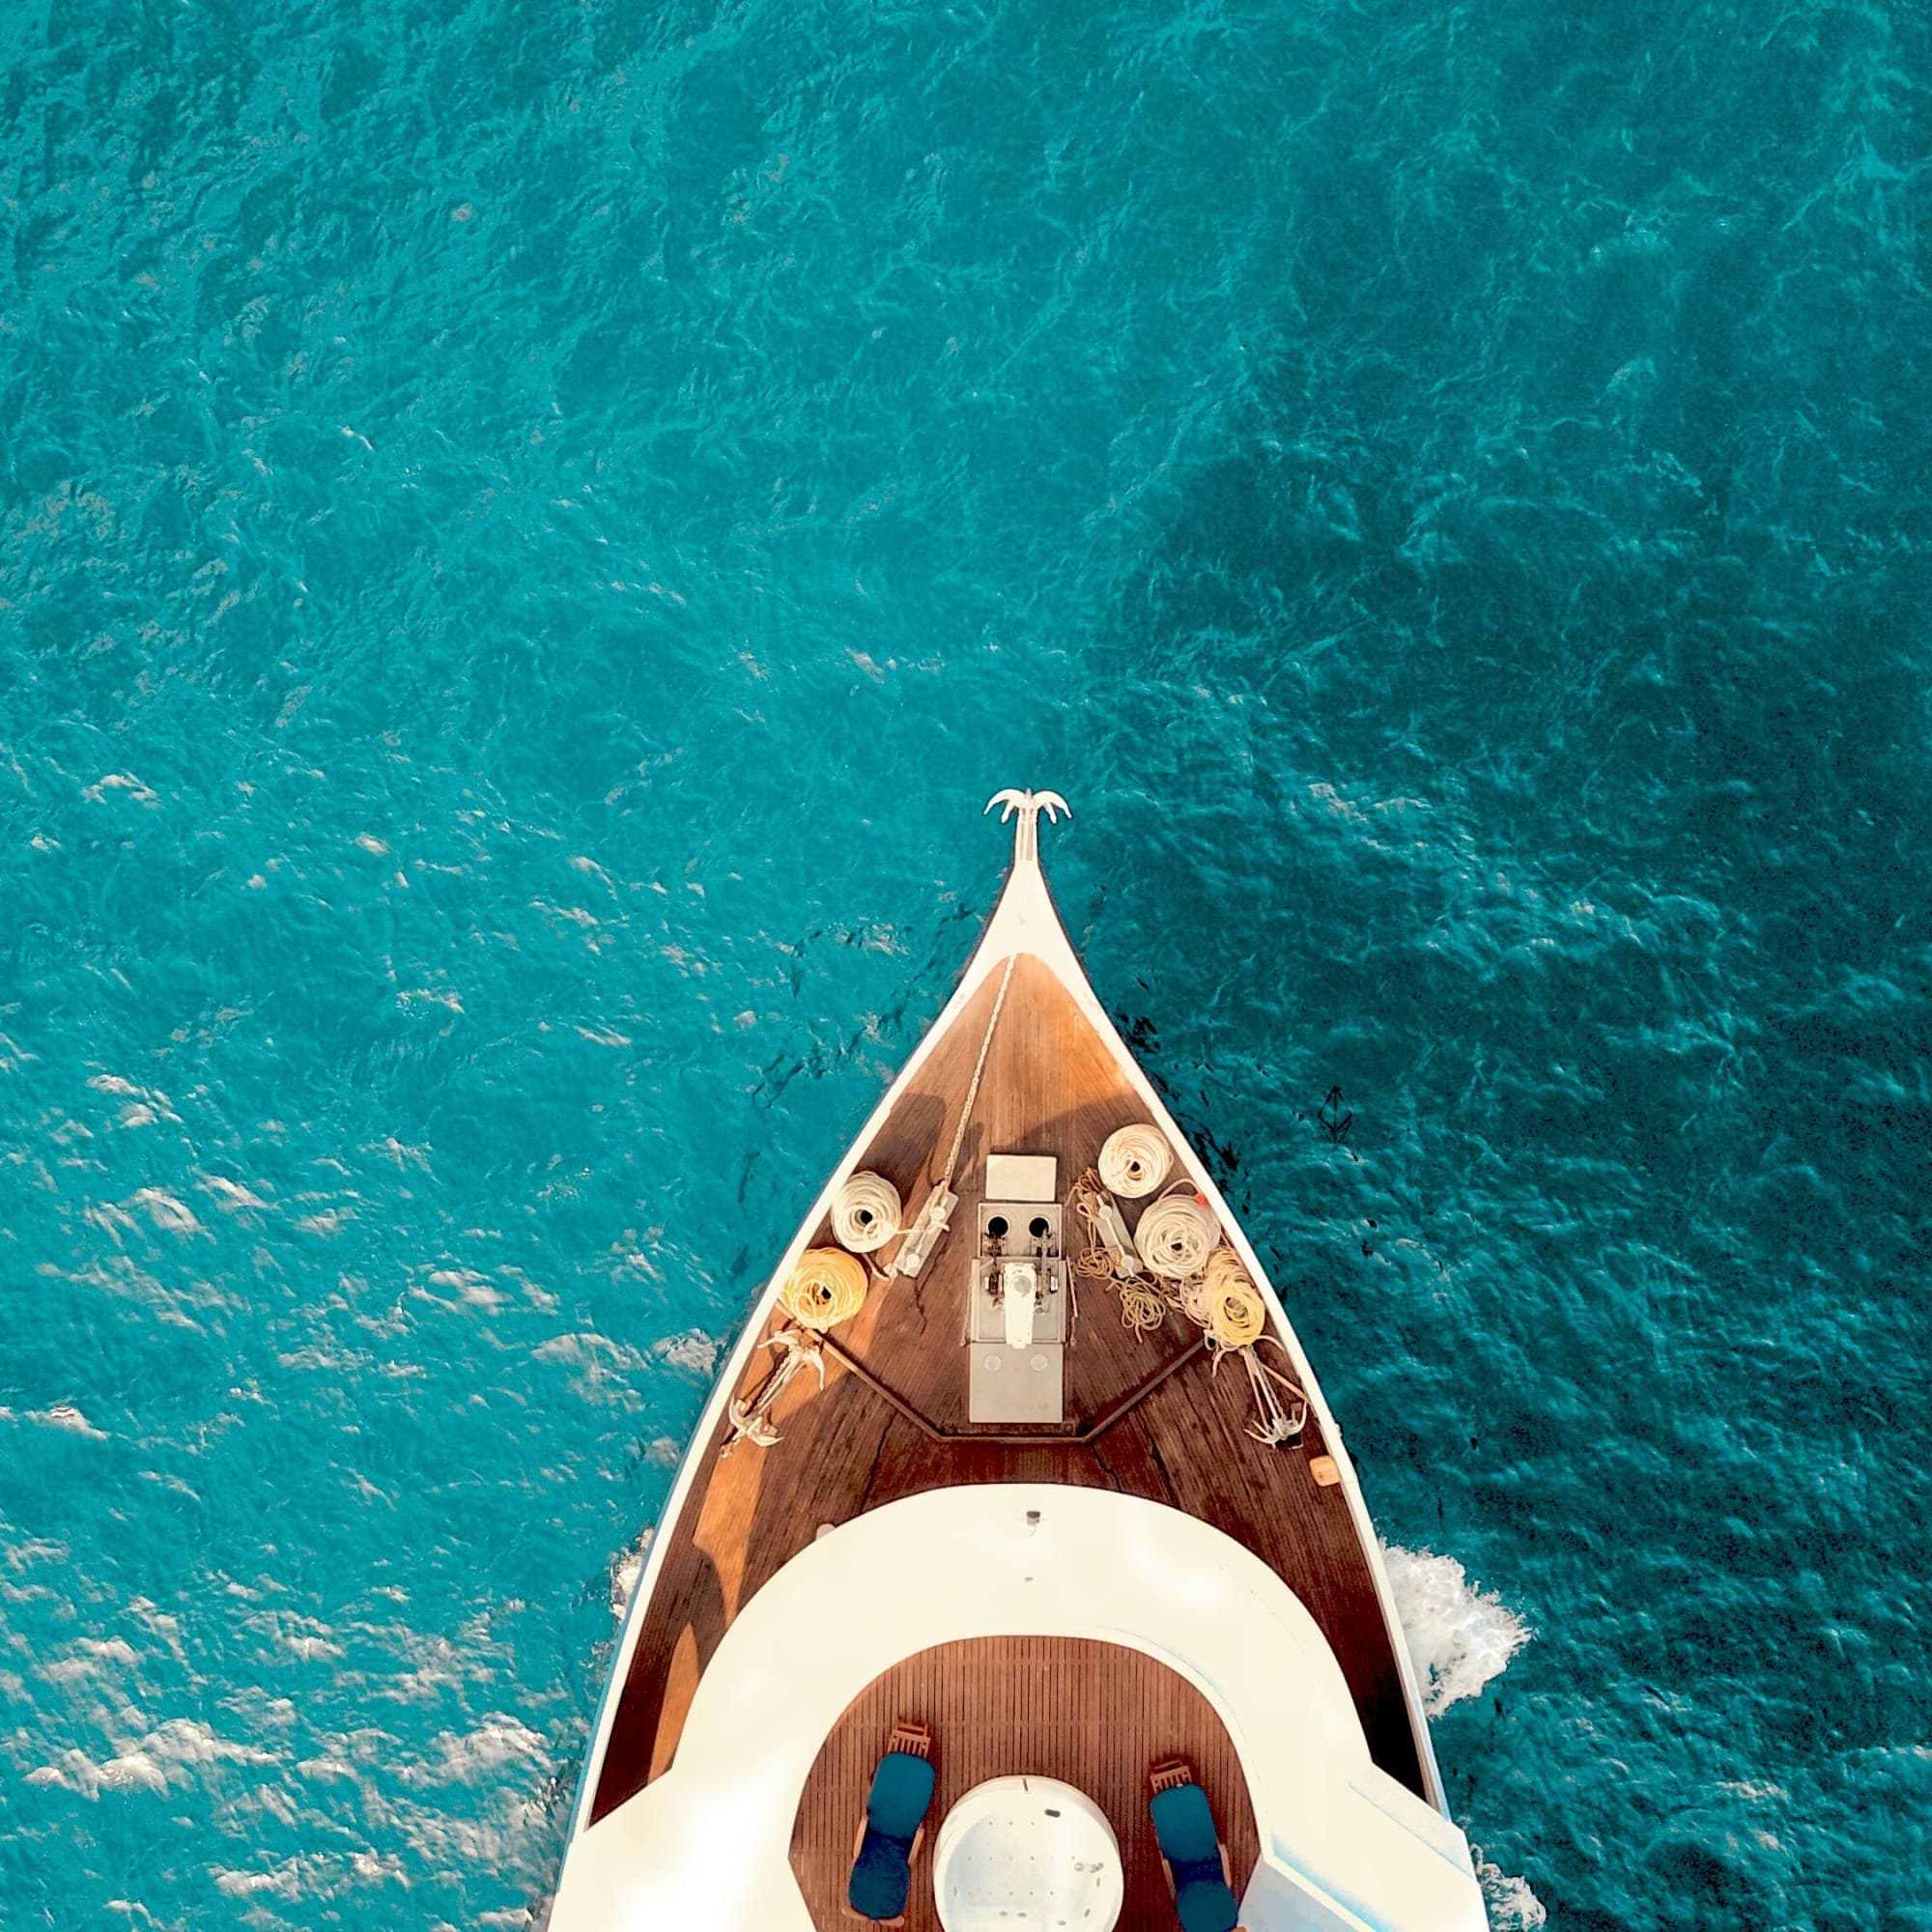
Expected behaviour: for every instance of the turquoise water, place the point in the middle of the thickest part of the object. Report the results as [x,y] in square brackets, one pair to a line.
[529,532]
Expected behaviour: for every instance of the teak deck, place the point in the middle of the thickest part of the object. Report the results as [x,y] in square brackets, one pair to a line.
[891,1421]
[1092,1715]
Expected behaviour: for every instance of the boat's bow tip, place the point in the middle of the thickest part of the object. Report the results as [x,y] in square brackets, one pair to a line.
[1028,805]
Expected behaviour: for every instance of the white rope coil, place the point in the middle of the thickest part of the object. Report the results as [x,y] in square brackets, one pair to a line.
[1176,1236]
[867,1213]
[1135,1160]
[827,1287]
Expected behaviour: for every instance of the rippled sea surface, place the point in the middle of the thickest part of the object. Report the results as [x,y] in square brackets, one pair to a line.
[527,533]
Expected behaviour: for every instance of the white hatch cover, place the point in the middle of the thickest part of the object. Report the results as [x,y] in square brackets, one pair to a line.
[1021,1177]
[1022,1385]
[1027,1855]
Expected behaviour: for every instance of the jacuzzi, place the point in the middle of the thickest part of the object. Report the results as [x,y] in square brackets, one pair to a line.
[1027,1855]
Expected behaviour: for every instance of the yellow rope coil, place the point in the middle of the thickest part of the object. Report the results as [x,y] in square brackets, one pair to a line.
[1134,1161]
[1176,1235]
[827,1287]
[867,1213]
[1236,1316]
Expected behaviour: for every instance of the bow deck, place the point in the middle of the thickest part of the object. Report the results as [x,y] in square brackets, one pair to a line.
[894,1421]
[1143,1415]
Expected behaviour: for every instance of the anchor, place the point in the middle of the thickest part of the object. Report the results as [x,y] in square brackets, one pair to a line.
[1029,805]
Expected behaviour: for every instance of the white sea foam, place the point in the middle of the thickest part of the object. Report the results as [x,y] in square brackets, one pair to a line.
[693,1350]
[35,1549]
[431,996]
[465,1757]
[87,1658]
[1512,1906]
[311,1875]
[231,1195]
[284,1881]
[111,1220]
[172,1216]
[585,1347]
[145,1612]
[403,1156]
[145,1105]
[61,1415]
[142,794]
[171,1754]
[600,1366]
[1458,1636]
[625,1572]
[305,1637]
[475,1289]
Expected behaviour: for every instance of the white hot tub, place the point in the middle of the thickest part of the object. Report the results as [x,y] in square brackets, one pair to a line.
[1027,1855]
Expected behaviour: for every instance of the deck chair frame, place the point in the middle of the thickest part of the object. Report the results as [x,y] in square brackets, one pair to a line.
[1169,1776]
[915,1741]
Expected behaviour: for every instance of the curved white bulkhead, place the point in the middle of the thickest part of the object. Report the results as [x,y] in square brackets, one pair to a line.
[1342,1843]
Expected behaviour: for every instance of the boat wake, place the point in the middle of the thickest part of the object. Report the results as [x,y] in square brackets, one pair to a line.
[1512,1906]
[626,1569]
[1458,1636]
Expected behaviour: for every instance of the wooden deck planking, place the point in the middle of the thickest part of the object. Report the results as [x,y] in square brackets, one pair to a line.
[1094,1716]
[1050,1087]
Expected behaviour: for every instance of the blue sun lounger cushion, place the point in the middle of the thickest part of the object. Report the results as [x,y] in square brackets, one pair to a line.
[1183,1822]
[882,1873]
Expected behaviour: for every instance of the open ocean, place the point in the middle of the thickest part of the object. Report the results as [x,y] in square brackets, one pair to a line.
[527,533]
